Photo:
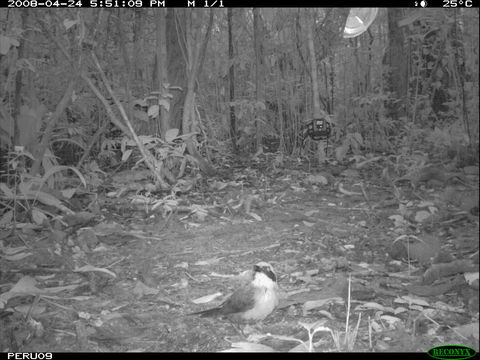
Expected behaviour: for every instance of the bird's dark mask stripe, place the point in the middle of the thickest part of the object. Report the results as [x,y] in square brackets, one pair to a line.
[267,271]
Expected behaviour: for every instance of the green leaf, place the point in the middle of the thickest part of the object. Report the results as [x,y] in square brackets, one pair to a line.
[38,216]
[6,190]
[5,44]
[153,111]
[126,155]
[6,218]
[69,23]
[165,104]
[58,168]
[171,134]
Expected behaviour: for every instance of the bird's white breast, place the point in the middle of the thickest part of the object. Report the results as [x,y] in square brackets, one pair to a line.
[266,298]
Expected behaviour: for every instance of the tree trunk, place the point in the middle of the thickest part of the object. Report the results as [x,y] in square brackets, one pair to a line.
[231,80]
[19,77]
[194,50]
[160,71]
[397,79]
[138,36]
[127,75]
[281,120]
[330,31]
[175,33]
[317,111]
[259,76]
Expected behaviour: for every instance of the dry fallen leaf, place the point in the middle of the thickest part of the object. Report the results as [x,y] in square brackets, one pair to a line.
[207,298]
[249,347]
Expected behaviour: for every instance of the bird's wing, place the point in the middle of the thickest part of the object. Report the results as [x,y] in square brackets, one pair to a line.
[243,299]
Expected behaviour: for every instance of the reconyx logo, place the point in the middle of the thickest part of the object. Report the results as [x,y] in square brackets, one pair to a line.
[456,352]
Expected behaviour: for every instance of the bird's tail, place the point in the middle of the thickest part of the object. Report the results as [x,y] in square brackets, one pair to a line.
[207,313]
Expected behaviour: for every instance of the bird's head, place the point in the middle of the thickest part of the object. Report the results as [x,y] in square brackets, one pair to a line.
[263,269]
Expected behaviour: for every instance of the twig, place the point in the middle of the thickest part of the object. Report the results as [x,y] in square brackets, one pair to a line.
[58,305]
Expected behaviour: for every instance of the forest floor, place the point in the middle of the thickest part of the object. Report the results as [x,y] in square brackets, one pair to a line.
[126,278]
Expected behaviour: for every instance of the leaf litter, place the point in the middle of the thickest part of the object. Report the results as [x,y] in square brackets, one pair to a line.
[190,252]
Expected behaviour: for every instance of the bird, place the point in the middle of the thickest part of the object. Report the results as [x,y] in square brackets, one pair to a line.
[251,302]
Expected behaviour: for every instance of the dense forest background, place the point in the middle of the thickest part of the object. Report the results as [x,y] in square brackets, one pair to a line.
[237,79]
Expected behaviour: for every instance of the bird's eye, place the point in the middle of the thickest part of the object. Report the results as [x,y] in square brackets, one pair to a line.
[270,274]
